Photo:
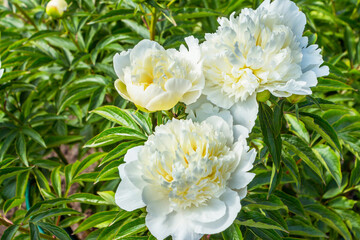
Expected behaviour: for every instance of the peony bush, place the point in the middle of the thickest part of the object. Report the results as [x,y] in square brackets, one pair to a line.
[180,120]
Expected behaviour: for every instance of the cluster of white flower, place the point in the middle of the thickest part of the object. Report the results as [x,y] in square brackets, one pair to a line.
[191,174]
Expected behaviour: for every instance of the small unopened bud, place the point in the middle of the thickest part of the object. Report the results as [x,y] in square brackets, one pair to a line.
[56,8]
[296,98]
[263,96]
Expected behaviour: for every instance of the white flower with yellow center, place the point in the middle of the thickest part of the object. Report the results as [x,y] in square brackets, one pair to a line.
[157,79]
[260,50]
[190,176]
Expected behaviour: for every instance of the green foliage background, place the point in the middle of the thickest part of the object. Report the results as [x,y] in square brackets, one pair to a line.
[59,73]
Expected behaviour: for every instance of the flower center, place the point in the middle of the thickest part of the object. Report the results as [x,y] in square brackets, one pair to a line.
[189,161]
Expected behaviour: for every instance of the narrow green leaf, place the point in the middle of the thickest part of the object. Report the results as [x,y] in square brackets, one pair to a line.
[34,135]
[232,233]
[330,218]
[330,160]
[55,230]
[21,148]
[56,180]
[301,149]
[10,232]
[297,127]
[11,203]
[299,227]
[96,219]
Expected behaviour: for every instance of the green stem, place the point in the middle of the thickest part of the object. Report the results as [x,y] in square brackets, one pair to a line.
[61,155]
[71,36]
[153,24]
[22,229]
[26,15]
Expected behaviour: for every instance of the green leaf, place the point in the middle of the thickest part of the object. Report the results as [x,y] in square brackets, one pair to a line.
[34,232]
[55,230]
[120,150]
[355,173]
[257,220]
[271,133]
[34,135]
[96,219]
[333,189]
[297,127]
[46,203]
[114,135]
[108,196]
[11,203]
[330,218]
[300,148]
[109,170]
[232,233]
[11,171]
[117,115]
[21,183]
[56,180]
[43,34]
[132,228]
[330,160]
[326,84]
[6,144]
[10,232]
[74,95]
[293,204]
[21,149]
[87,198]
[52,213]
[256,201]
[139,29]
[299,227]
[322,127]
[97,98]
[55,141]
[342,203]
[89,160]
[114,15]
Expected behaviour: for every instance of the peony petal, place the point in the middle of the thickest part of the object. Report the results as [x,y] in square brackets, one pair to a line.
[1,72]
[177,85]
[245,113]
[132,154]
[127,196]
[233,206]
[212,211]
[174,224]
[142,46]
[121,61]
[163,101]
[121,89]
[156,202]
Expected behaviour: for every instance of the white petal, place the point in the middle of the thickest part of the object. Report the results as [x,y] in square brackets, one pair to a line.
[156,202]
[132,154]
[122,89]
[212,211]
[1,72]
[142,46]
[121,61]
[127,196]
[131,170]
[245,113]
[233,206]
[178,85]
[163,101]
[220,125]
[174,224]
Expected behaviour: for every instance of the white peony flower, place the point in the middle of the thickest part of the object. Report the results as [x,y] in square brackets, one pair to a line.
[56,8]
[190,176]
[157,79]
[260,50]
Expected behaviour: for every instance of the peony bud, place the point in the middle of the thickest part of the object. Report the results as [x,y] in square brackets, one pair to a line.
[56,8]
